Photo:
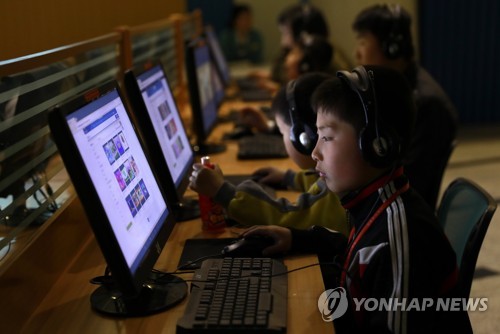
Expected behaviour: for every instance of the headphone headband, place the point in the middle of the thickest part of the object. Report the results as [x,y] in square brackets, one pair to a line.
[290,92]
[375,141]
[393,45]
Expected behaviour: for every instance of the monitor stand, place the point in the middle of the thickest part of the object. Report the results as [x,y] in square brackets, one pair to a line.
[208,148]
[166,291]
[187,209]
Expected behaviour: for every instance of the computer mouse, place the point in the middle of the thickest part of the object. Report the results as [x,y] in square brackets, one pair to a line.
[250,246]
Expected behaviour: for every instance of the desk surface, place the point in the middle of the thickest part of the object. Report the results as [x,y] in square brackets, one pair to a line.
[66,308]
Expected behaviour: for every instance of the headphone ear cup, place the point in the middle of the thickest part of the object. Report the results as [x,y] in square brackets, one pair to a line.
[379,151]
[303,139]
[393,46]
[304,66]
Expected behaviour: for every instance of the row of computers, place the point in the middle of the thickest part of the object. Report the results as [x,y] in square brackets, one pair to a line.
[130,169]
[208,75]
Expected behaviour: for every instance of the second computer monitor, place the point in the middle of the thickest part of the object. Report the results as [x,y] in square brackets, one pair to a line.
[162,128]
[204,93]
[218,55]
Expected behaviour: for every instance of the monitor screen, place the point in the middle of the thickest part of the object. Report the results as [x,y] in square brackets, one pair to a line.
[161,127]
[167,123]
[120,174]
[206,90]
[112,176]
[217,85]
[218,55]
[201,91]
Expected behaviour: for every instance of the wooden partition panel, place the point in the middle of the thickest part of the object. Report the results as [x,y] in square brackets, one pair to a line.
[162,40]
[24,284]
[154,41]
[41,235]
[30,170]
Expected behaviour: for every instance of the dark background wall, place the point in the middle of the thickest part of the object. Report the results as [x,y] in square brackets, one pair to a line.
[216,13]
[460,46]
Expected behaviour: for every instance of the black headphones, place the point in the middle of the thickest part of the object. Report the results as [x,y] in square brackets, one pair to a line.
[306,64]
[303,136]
[377,142]
[393,45]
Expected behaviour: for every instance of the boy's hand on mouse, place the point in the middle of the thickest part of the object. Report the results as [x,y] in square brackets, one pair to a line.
[206,181]
[269,175]
[282,238]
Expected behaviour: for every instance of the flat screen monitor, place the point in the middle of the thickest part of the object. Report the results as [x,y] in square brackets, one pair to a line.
[124,204]
[162,129]
[199,70]
[217,84]
[218,56]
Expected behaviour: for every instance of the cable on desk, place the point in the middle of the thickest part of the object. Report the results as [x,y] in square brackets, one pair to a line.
[213,256]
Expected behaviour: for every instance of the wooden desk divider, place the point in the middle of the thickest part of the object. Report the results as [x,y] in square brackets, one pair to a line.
[162,40]
[29,161]
[158,40]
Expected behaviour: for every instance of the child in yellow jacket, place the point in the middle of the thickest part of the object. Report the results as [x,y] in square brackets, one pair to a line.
[249,204]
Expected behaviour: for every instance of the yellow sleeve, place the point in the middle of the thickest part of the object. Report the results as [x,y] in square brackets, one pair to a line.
[318,206]
[304,180]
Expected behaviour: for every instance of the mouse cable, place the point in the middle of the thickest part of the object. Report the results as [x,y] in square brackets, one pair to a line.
[185,265]
[183,269]
[107,278]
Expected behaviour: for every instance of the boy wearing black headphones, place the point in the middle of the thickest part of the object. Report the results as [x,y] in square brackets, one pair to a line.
[384,38]
[249,204]
[396,249]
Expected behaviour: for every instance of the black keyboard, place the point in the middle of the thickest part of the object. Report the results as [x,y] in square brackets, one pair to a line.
[238,295]
[256,95]
[261,146]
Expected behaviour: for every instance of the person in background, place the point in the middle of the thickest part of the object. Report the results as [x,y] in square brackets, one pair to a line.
[241,42]
[310,53]
[384,38]
[296,23]
[293,22]
[249,204]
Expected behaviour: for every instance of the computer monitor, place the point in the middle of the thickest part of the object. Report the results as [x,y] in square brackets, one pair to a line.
[199,70]
[218,85]
[218,56]
[124,204]
[161,127]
